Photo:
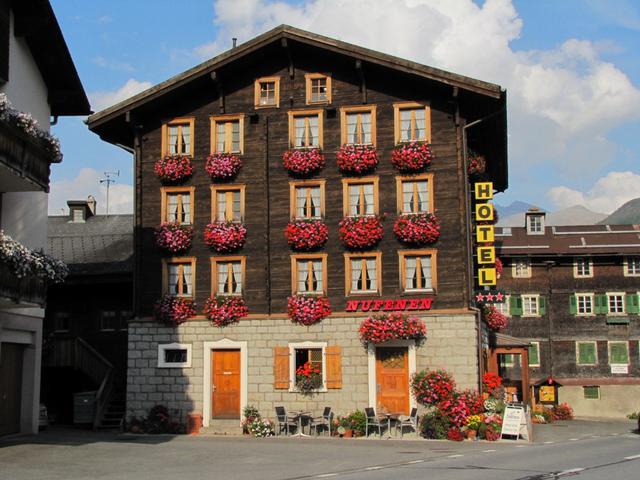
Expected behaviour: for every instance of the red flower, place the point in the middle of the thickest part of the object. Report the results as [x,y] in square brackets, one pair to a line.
[173,168]
[225,236]
[360,233]
[432,387]
[495,320]
[307,310]
[306,234]
[499,266]
[491,381]
[222,166]
[173,236]
[417,229]
[477,164]
[357,158]
[393,326]
[303,162]
[174,310]
[223,311]
[412,156]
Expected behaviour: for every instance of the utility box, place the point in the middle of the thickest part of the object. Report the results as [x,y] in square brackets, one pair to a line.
[84,404]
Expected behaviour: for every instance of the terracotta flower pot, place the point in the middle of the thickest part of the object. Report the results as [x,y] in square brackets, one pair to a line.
[472,434]
[348,433]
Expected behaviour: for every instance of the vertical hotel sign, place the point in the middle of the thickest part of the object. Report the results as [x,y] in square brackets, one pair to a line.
[485,235]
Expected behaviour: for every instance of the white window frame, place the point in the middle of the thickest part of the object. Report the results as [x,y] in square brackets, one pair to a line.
[622,295]
[514,270]
[576,267]
[609,343]
[537,345]
[174,346]
[578,343]
[593,306]
[530,218]
[292,363]
[503,307]
[524,310]
[627,272]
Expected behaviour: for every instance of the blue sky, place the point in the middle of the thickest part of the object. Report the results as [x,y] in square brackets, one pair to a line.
[571,70]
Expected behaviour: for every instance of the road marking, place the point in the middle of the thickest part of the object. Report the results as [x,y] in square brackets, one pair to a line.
[569,472]
[326,475]
[595,436]
[488,451]
[414,461]
[574,439]
[456,456]
[521,446]
[632,457]
[548,442]
[614,434]
[374,468]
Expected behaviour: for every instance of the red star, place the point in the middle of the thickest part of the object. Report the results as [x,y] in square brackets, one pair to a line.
[479,297]
[499,297]
[489,297]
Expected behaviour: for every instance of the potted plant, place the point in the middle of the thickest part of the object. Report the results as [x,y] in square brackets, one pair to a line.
[358,423]
[174,310]
[495,320]
[308,378]
[392,326]
[344,427]
[223,311]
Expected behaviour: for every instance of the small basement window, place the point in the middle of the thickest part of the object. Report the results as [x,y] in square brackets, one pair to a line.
[174,355]
[591,392]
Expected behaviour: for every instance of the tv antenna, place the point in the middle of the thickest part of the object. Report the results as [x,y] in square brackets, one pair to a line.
[108,180]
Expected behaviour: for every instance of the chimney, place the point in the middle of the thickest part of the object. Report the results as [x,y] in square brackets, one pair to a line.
[91,204]
[534,221]
[234,40]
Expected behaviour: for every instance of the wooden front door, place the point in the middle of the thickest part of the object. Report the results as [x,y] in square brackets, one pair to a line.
[225,384]
[392,379]
[10,387]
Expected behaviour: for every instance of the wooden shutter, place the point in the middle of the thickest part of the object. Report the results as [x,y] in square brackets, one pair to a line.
[602,304]
[281,367]
[515,305]
[573,305]
[542,305]
[333,358]
[632,303]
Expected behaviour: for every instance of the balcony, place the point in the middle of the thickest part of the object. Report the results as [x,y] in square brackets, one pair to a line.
[24,162]
[21,292]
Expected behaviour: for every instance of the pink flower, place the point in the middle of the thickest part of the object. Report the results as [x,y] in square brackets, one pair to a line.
[173,168]
[174,310]
[495,320]
[360,233]
[412,156]
[307,310]
[306,234]
[303,162]
[223,311]
[417,228]
[393,326]
[222,166]
[173,236]
[357,158]
[225,236]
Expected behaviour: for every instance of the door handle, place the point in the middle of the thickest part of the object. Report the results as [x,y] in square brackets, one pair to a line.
[213,387]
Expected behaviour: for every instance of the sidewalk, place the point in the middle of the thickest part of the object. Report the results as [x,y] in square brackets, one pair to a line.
[580,428]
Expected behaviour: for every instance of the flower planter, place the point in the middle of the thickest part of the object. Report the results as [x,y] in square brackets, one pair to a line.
[224,237]
[412,157]
[394,326]
[306,235]
[223,311]
[360,233]
[222,166]
[174,237]
[303,162]
[496,321]
[307,310]
[357,159]
[472,434]
[348,433]
[417,229]
[174,310]
[173,168]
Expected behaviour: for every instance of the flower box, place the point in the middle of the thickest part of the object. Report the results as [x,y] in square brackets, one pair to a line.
[173,168]
[308,378]
[307,310]
[417,229]
[24,262]
[357,158]
[393,326]
[495,320]
[174,310]
[303,162]
[223,311]
[305,235]
[360,233]
[222,166]
[225,236]
[173,236]
[412,157]
[477,165]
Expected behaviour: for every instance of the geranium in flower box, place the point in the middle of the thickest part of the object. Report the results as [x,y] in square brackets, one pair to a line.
[499,267]
[308,378]
[357,158]
[432,387]
[307,310]
[303,161]
[173,168]
[359,233]
[174,310]
[225,236]
[222,166]
[223,311]
[477,164]
[411,157]
[393,326]
[417,228]
[491,381]
[305,235]
[173,236]
[495,320]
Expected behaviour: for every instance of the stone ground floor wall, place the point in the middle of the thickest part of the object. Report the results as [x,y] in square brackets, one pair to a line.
[616,401]
[451,344]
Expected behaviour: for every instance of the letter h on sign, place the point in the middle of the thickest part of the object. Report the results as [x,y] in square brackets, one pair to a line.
[484,190]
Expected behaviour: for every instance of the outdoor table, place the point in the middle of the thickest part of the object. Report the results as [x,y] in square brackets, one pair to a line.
[389,417]
[299,416]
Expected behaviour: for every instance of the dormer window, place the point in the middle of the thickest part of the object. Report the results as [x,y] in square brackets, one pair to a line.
[535,222]
[77,215]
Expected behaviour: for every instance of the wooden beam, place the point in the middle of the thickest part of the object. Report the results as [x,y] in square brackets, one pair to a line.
[363,80]
[216,79]
[285,45]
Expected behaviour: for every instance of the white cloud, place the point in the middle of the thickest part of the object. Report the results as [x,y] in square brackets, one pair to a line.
[113,64]
[607,194]
[101,100]
[86,183]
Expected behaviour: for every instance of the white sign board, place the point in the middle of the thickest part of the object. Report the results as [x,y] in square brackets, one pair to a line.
[620,368]
[512,419]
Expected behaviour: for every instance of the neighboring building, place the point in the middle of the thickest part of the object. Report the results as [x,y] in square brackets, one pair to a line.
[573,292]
[85,325]
[38,77]
[292,89]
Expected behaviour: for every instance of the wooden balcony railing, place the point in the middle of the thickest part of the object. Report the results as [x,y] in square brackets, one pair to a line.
[26,157]
[25,291]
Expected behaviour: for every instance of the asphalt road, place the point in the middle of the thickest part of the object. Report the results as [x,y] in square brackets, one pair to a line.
[84,455]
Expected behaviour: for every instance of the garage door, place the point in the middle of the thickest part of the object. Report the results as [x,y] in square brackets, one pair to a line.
[10,387]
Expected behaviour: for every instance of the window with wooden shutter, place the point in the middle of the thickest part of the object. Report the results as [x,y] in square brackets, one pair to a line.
[633,303]
[534,354]
[542,305]
[516,305]
[573,304]
[281,367]
[586,353]
[618,353]
[334,367]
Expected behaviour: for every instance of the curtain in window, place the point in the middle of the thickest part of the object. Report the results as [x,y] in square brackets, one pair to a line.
[352,124]
[354,200]
[223,278]
[313,131]
[221,135]
[173,140]
[425,262]
[356,275]
[411,277]
[317,276]
[300,130]
[405,125]
[237,277]
[365,127]
[368,199]
[174,281]
[303,275]
[172,207]
[407,197]
[186,279]
[301,202]
[372,277]
[420,125]
[222,206]
[423,197]
[235,136]
[236,205]
[186,138]
[315,201]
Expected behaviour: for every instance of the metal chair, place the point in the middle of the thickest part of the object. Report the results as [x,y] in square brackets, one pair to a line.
[372,421]
[410,422]
[284,422]
[323,421]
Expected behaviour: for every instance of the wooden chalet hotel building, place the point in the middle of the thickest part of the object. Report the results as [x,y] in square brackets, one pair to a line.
[286,90]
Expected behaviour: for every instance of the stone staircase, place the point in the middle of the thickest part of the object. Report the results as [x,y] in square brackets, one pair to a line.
[223,427]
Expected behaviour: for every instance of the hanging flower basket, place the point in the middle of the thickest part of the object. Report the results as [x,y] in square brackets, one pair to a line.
[431,387]
[173,236]
[173,168]
[360,233]
[412,157]
[225,236]
[174,310]
[305,235]
[222,166]
[477,164]
[308,378]
[223,311]
[495,320]
[499,267]
[393,326]
[303,161]
[357,158]
[417,229]
[307,310]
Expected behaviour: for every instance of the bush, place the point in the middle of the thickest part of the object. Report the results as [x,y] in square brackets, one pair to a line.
[432,387]
[158,421]
[455,434]
[434,425]
[562,412]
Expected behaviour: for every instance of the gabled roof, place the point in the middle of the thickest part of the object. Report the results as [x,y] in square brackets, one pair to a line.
[287,32]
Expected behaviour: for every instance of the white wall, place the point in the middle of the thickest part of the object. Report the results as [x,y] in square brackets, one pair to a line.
[24,218]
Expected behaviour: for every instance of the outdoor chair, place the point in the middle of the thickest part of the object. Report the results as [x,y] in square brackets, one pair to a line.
[410,422]
[372,421]
[323,421]
[284,421]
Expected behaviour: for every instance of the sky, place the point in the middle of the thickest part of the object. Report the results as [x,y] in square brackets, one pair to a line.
[570,68]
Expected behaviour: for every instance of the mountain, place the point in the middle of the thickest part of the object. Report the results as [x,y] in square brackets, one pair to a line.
[576,215]
[513,208]
[629,213]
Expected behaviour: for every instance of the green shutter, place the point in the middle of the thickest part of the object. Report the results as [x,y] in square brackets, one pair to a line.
[515,305]
[632,303]
[573,305]
[586,353]
[601,304]
[542,305]
[534,357]
[619,353]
